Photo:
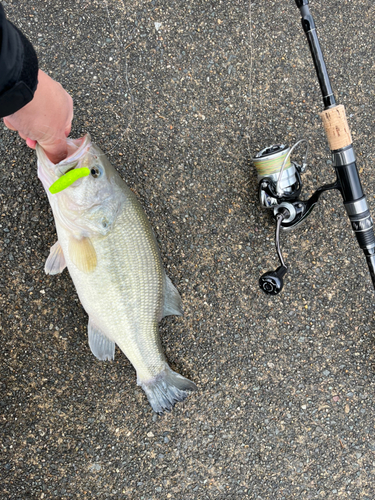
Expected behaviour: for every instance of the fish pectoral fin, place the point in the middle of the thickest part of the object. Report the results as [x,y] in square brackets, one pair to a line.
[172,301]
[82,254]
[55,262]
[101,346]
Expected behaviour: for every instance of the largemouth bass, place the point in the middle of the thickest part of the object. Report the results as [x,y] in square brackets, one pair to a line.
[108,246]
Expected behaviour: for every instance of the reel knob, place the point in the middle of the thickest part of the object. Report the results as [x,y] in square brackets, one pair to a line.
[272,282]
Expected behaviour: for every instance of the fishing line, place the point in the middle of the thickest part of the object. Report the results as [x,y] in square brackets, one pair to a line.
[249,126]
[126,77]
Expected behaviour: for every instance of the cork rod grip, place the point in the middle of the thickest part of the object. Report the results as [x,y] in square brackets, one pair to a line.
[336,127]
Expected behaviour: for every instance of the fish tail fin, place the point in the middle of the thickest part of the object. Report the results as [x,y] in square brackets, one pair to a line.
[166,389]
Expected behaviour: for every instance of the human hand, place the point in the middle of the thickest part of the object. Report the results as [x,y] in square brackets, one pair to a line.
[46,119]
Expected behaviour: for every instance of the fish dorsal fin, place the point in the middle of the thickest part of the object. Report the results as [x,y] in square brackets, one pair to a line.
[172,301]
[101,346]
[55,262]
[82,253]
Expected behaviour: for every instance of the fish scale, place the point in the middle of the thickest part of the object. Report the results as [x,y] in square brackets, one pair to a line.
[127,311]
[108,246]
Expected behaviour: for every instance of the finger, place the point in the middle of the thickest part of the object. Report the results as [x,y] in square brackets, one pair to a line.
[56,152]
[7,124]
[30,143]
[23,136]
[68,128]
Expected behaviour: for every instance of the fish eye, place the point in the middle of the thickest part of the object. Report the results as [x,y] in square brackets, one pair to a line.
[95,171]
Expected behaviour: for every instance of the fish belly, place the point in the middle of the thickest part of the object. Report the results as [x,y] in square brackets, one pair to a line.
[124,294]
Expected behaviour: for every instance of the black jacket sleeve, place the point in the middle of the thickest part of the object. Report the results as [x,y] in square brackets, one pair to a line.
[18,68]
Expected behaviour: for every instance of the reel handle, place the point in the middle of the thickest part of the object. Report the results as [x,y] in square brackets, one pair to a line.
[272,282]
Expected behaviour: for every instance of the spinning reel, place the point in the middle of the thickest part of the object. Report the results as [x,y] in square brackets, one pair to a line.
[279,178]
[279,187]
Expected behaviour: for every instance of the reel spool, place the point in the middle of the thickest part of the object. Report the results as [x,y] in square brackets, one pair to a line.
[278,177]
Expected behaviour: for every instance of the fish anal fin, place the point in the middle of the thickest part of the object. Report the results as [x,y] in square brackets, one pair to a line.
[55,262]
[172,300]
[82,254]
[101,346]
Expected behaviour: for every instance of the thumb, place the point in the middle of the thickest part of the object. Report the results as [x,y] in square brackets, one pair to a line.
[57,151]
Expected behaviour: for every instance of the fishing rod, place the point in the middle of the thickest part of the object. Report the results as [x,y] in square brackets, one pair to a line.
[279,178]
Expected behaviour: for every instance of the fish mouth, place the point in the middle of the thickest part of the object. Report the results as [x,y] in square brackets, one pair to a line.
[77,148]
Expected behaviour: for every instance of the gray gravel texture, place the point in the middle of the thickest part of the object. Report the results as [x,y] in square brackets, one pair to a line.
[181,95]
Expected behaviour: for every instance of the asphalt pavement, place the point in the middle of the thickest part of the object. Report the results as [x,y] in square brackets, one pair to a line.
[180,95]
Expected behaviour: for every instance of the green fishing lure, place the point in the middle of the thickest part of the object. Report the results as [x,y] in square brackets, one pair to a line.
[68,179]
